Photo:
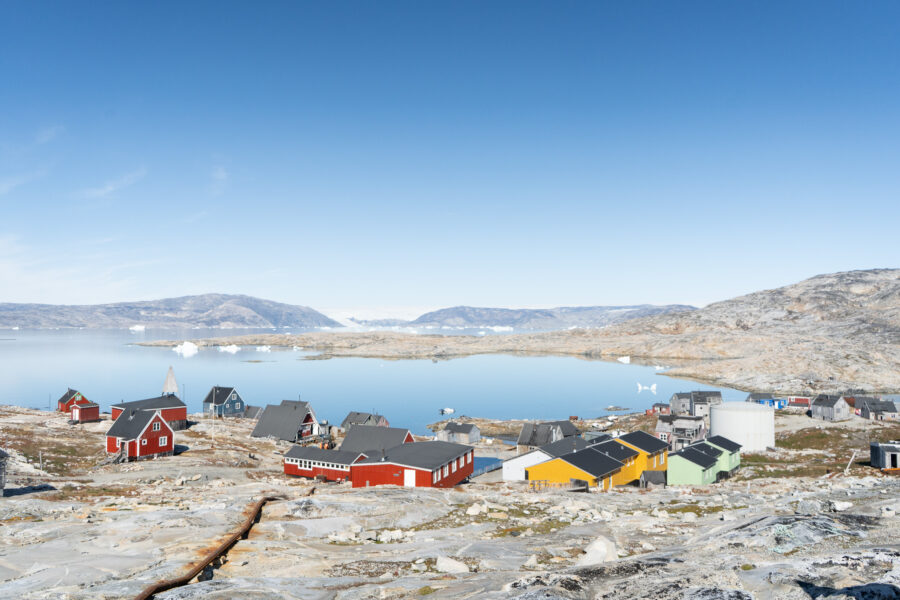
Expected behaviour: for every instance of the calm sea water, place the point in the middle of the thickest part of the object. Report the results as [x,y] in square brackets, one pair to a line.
[38,366]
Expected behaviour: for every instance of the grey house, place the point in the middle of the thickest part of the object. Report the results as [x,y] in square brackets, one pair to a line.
[875,409]
[829,407]
[680,430]
[363,418]
[885,456]
[695,403]
[224,402]
[535,435]
[291,421]
[459,433]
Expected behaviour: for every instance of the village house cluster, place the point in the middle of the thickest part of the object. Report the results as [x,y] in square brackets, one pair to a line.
[697,440]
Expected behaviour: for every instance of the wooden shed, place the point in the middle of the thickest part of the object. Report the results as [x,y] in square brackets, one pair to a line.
[85,413]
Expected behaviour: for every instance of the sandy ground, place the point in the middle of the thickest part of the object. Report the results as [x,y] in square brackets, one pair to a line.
[106,531]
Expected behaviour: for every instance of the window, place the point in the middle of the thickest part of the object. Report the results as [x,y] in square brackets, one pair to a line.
[163,440]
[118,443]
[662,459]
[446,471]
[143,442]
[156,427]
[453,466]
[434,477]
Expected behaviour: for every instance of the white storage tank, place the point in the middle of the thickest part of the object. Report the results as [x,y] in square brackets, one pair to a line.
[750,425]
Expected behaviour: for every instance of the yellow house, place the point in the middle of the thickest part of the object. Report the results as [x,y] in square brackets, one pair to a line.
[596,468]
[652,452]
[628,456]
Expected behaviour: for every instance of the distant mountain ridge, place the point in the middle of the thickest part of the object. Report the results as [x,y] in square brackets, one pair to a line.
[564,317]
[206,310]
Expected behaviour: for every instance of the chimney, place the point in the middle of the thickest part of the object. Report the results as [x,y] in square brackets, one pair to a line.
[382,455]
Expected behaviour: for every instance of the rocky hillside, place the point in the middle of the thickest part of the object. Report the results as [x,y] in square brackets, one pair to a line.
[829,333]
[207,310]
[541,319]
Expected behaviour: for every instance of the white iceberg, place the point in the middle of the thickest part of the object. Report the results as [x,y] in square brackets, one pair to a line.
[230,349]
[624,359]
[298,348]
[186,349]
[264,348]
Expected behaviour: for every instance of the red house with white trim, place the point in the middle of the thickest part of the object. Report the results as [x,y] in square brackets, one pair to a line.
[70,398]
[172,409]
[85,413]
[311,462]
[419,464]
[139,434]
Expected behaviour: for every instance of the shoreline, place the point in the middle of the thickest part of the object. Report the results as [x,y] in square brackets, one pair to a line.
[738,360]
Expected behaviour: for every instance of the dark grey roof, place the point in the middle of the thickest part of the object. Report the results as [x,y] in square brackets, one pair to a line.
[705,396]
[3,454]
[88,404]
[251,412]
[131,423]
[160,402]
[695,456]
[539,434]
[874,404]
[564,446]
[681,395]
[724,443]
[369,439]
[826,400]
[322,455]
[422,455]
[659,405]
[615,450]
[218,395]
[281,421]
[759,396]
[707,449]
[67,396]
[454,427]
[673,418]
[359,418]
[644,441]
[596,463]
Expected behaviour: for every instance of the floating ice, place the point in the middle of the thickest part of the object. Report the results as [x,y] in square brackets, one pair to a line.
[186,349]
[264,348]
[298,348]
[624,359]
[649,388]
[659,368]
[231,349]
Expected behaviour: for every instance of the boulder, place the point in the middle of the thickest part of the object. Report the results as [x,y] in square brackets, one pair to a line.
[475,510]
[599,551]
[445,564]
[840,505]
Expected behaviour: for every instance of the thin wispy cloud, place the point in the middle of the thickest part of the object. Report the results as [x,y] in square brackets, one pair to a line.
[115,185]
[218,180]
[9,183]
[48,134]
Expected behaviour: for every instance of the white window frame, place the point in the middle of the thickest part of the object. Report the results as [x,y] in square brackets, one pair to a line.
[662,458]
[453,467]
[144,442]
[163,440]
[446,470]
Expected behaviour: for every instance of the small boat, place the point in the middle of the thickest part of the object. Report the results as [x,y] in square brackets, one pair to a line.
[447,411]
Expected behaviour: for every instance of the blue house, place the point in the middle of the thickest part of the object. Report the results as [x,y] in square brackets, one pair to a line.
[767,400]
[224,402]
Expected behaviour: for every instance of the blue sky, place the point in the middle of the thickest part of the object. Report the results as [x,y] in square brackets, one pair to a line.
[410,154]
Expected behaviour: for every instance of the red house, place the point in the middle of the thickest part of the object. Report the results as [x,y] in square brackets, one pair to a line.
[309,461]
[85,413]
[169,406]
[71,397]
[800,401]
[419,464]
[139,434]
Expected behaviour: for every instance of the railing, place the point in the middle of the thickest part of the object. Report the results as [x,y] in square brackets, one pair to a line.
[540,485]
[487,468]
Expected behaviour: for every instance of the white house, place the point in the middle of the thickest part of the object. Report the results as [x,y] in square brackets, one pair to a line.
[514,468]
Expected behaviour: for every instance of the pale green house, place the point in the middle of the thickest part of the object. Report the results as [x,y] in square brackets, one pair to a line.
[690,466]
[730,461]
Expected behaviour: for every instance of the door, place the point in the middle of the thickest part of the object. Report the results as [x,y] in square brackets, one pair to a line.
[409,478]
[893,461]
